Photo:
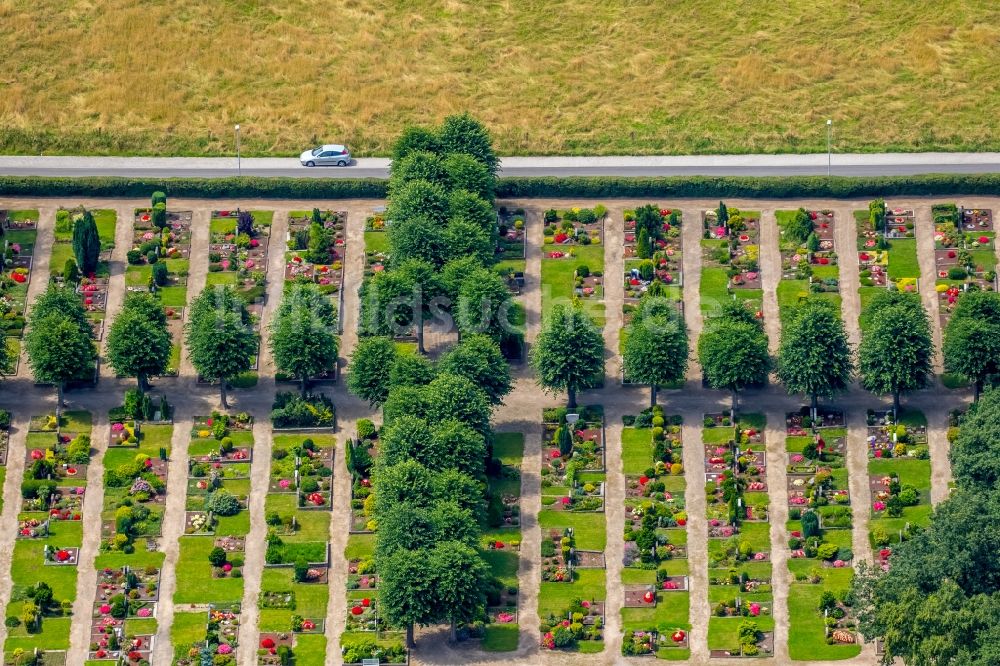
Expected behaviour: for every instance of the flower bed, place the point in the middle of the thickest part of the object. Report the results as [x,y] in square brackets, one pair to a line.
[20,234]
[574,226]
[317,244]
[512,239]
[739,545]
[583,621]
[899,473]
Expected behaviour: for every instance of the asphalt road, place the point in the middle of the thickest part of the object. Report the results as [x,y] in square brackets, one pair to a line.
[885,164]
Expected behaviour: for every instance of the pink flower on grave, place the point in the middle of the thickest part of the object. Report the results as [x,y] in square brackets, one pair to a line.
[225,648]
[225,266]
[755,609]
[104,609]
[284,483]
[254,242]
[144,612]
[879,506]
[250,263]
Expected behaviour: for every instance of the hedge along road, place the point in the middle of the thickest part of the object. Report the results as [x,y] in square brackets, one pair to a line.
[875,164]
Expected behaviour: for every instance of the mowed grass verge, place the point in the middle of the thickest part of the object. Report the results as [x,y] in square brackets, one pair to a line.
[792,66]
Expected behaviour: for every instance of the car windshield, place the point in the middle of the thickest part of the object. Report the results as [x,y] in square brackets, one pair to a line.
[317,151]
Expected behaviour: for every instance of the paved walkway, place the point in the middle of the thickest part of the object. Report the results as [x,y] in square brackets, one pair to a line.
[520,414]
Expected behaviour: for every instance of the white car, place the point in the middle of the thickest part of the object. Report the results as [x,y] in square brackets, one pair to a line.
[330,154]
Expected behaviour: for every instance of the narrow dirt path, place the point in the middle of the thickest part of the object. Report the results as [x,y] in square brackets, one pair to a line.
[777,490]
[691,239]
[697,531]
[770,271]
[924,232]
[116,283]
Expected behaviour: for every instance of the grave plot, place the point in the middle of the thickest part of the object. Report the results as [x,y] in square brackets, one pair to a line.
[573,259]
[964,258]
[122,623]
[46,552]
[237,250]
[376,242]
[501,543]
[19,231]
[136,464]
[809,264]
[512,239]
[294,587]
[899,475]
[739,545]
[365,635]
[819,529]
[730,258]
[63,264]
[655,617]
[216,522]
[159,263]
[573,530]
[887,257]
[217,624]
[317,245]
[653,266]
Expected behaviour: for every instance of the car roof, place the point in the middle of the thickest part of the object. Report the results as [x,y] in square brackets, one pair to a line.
[334,146]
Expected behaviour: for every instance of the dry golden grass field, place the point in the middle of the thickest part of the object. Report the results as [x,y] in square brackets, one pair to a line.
[547,76]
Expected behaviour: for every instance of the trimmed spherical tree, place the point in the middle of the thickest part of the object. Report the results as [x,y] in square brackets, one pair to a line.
[138,346]
[656,347]
[303,336]
[220,336]
[896,352]
[814,357]
[59,351]
[733,355]
[569,352]
[368,375]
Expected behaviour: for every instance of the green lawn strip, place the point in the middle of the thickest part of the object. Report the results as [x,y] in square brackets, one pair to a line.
[558,277]
[806,630]
[310,650]
[508,447]
[588,528]
[498,638]
[196,585]
[187,628]
[637,450]
[310,600]
[376,241]
[903,258]
[555,598]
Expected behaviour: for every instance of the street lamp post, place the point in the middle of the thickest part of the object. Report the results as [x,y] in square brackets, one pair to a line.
[829,149]
[239,168]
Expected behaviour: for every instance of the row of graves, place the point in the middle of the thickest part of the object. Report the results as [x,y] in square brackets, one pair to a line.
[294,587]
[123,622]
[316,251]
[899,476]
[366,634]
[573,529]
[655,619]
[654,257]
[739,546]
[19,229]
[512,242]
[819,533]
[159,263]
[89,284]
[964,254]
[809,262]
[573,258]
[887,250]
[49,533]
[730,249]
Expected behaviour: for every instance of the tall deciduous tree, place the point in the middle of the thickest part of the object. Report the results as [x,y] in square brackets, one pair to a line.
[972,338]
[460,575]
[59,351]
[465,172]
[425,287]
[569,352]
[138,344]
[478,358]
[733,355]
[484,305]
[412,139]
[469,206]
[464,134]
[896,351]
[86,243]
[453,397]
[417,165]
[369,372]
[418,198]
[814,357]
[407,594]
[418,238]
[975,452]
[220,336]
[303,337]
[656,346]
[465,239]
